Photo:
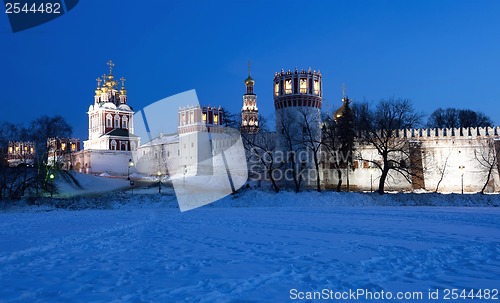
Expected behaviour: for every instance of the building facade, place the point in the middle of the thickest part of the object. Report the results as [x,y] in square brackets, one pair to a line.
[111,136]
[249,111]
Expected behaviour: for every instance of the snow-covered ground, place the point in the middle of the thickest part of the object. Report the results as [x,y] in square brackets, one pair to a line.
[247,248]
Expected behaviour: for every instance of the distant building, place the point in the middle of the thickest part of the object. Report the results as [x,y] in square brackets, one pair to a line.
[20,153]
[249,111]
[59,149]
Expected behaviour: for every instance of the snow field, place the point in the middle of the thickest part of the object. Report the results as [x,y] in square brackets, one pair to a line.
[242,254]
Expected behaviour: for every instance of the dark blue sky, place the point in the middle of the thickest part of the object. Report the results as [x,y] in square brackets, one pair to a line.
[438,53]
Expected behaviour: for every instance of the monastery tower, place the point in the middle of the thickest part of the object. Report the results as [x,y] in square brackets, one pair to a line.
[249,111]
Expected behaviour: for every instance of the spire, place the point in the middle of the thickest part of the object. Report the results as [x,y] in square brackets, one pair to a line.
[249,81]
[111,65]
[98,88]
[344,91]
[123,91]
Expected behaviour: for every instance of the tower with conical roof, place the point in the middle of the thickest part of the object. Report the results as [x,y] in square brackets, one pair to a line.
[249,111]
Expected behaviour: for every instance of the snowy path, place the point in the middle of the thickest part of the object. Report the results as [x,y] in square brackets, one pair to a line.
[243,254]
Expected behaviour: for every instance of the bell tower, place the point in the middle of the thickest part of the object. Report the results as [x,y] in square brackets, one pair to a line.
[249,111]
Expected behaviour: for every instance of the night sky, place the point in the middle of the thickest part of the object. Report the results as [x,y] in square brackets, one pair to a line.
[437,53]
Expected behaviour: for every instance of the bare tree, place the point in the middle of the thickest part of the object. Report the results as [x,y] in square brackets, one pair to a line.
[289,129]
[455,118]
[311,139]
[45,127]
[387,118]
[260,151]
[486,155]
[442,171]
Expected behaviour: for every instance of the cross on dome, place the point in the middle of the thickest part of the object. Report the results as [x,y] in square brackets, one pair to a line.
[111,65]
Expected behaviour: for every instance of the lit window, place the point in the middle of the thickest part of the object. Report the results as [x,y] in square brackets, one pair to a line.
[288,86]
[316,87]
[216,119]
[276,88]
[204,117]
[63,146]
[303,85]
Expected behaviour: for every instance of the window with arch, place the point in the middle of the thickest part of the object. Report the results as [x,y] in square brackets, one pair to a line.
[109,120]
[288,86]
[316,87]
[113,145]
[124,122]
[117,121]
[303,85]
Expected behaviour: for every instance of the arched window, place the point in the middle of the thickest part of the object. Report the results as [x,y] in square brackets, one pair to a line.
[124,122]
[113,145]
[117,121]
[109,120]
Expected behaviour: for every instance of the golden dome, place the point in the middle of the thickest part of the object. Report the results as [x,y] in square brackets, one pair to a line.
[97,91]
[340,112]
[249,80]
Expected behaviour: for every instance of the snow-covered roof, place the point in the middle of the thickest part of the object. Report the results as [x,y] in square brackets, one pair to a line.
[163,139]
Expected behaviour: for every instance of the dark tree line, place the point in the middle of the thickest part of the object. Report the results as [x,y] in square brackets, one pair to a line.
[15,182]
[456,118]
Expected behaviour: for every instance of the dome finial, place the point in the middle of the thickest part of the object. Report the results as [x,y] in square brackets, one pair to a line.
[123,91]
[249,80]
[111,65]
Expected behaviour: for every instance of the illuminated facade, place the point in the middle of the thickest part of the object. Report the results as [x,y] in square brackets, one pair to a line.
[111,124]
[58,148]
[249,111]
[20,153]
[297,101]
[111,130]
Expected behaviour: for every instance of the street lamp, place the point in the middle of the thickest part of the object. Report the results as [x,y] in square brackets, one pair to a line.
[159,182]
[371,181]
[462,169]
[130,165]
[184,180]
[51,177]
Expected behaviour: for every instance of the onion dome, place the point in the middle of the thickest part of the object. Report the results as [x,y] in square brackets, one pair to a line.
[339,113]
[249,80]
